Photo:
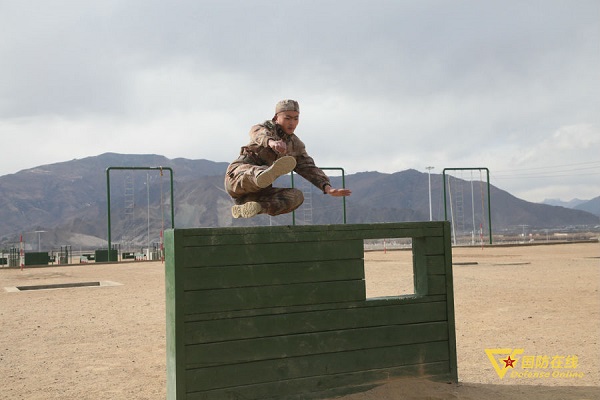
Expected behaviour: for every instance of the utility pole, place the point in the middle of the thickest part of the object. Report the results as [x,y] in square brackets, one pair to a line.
[429,176]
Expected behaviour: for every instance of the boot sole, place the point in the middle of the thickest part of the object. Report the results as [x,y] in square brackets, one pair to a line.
[280,167]
[246,210]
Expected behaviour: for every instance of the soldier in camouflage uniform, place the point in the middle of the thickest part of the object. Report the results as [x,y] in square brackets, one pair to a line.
[274,150]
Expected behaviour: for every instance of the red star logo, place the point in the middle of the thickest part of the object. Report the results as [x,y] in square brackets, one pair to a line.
[509,362]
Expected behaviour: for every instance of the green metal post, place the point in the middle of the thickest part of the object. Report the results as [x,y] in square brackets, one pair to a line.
[444,184]
[489,203]
[293,212]
[344,197]
[108,212]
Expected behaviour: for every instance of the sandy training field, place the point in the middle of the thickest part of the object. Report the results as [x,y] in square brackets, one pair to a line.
[538,304]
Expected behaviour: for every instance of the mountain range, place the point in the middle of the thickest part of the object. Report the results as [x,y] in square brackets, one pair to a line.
[66,203]
[592,206]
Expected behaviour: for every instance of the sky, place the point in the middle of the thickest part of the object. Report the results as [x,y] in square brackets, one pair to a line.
[383,85]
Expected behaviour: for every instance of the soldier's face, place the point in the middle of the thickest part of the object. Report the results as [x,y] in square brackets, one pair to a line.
[288,120]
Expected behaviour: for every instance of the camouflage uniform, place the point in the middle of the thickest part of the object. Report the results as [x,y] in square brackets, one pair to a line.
[256,156]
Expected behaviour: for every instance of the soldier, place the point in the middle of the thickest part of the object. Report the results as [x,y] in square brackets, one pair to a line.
[274,150]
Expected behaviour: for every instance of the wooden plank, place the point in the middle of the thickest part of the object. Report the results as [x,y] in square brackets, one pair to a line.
[436,284]
[312,321]
[326,386]
[277,347]
[272,253]
[216,233]
[384,232]
[198,315]
[314,365]
[257,235]
[450,304]
[175,329]
[436,265]
[215,300]
[434,245]
[419,247]
[272,274]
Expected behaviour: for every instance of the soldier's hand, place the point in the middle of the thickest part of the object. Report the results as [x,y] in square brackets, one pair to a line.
[278,146]
[337,192]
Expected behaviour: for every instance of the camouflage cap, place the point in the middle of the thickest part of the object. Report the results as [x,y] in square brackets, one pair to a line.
[287,105]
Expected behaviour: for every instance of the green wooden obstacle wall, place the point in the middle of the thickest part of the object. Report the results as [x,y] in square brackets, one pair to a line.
[281,312]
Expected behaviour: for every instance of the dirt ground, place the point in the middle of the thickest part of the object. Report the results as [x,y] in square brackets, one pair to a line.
[539,303]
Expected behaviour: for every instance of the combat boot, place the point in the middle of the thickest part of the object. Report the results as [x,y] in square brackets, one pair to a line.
[280,167]
[246,210]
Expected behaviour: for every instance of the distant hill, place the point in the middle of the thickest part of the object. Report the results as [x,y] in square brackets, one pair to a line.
[567,204]
[591,206]
[68,201]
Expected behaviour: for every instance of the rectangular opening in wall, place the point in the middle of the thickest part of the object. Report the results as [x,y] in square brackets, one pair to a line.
[389,267]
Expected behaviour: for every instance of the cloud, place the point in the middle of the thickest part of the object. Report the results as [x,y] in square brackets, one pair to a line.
[383,85]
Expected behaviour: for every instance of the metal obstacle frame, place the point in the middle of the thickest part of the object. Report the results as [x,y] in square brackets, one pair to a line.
[108,196]
[343,186]
[488,193]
